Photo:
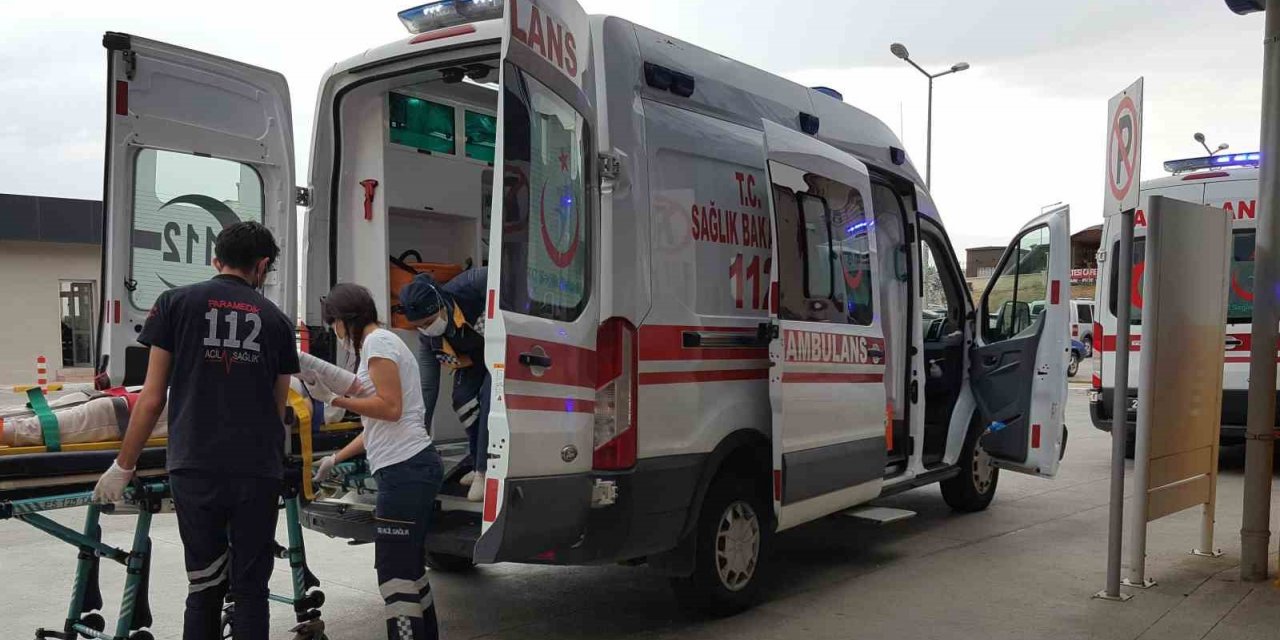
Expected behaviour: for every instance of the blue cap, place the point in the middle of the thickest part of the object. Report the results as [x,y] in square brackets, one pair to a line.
[420,298]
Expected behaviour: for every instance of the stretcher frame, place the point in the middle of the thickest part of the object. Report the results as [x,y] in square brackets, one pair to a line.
[150,494]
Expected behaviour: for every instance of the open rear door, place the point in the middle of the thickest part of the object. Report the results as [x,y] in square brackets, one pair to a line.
[827,353]
[195,143]
[1018,362]
[542,317]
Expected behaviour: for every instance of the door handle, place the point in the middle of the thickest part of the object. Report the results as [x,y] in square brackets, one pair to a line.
[1232,342]
[535,360]
[876,355]
[990,361]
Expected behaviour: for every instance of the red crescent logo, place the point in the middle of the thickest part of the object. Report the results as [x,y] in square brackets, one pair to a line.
[1135,289]
[1239,289]
[853,281]
[564,258]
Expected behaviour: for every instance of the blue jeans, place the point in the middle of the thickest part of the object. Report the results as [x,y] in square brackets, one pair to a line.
[406,498]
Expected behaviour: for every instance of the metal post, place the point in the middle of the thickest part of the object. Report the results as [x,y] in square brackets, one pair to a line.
[928,160]
[1142,426]
[1119,408]
[1255,533]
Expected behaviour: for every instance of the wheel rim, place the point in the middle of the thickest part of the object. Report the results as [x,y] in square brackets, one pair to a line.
[737,545]
[982,469]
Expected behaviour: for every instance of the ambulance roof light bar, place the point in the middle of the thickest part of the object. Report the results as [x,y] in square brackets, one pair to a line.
[448,13]
[1223,161]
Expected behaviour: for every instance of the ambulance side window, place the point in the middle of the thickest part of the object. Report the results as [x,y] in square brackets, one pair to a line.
[1014,302]
[824,249]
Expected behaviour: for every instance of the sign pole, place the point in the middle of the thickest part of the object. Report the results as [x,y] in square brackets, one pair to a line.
[1255,531]
[1142,427]
[1124,154]
[1119,410]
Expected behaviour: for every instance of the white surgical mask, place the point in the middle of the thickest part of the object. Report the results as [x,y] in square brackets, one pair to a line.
[435,329]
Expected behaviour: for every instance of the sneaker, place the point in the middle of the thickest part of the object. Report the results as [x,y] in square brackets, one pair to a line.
[467,479]
[476,492]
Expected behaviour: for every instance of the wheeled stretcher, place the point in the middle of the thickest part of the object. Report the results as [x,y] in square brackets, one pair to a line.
[60,472]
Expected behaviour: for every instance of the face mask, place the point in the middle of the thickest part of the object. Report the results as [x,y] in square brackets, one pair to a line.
[435,329]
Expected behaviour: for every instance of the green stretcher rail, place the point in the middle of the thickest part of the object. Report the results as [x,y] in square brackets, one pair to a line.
[144,499]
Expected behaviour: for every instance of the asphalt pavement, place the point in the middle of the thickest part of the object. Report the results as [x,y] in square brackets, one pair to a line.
[1025,568]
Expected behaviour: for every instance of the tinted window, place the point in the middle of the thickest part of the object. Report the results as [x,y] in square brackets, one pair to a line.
[824,251]
[1084,313]
[180,203]
[1013,303]
[482,130]
[546,238]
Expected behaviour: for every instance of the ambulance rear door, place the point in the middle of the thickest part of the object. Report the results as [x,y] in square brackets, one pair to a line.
[542,315]
[195,143]
[827,352]
[1018,362]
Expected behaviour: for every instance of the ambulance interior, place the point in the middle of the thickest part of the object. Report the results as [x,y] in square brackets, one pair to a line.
[428,140]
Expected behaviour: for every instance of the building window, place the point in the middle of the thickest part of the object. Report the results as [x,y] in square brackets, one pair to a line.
[76,315]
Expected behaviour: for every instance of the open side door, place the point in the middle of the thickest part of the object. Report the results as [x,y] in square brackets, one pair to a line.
[827,353]
[1018,362]
[195,143]
[542,316]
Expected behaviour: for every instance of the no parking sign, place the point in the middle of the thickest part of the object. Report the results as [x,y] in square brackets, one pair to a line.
[1124,149]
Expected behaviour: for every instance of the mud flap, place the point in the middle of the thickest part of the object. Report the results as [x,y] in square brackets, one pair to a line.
[540,515]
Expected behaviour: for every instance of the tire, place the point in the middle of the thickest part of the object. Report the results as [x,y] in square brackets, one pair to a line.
[448,563]
[1130,448]
[1088,346]
[1073,367]
[735,518]
[972,490]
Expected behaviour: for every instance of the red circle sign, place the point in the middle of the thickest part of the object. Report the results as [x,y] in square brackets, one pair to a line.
[1122,153]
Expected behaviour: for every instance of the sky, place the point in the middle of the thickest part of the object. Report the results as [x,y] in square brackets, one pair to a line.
[1025,127]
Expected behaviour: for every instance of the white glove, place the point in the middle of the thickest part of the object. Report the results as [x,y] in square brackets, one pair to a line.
[324,470]
[111,485]
[320,392]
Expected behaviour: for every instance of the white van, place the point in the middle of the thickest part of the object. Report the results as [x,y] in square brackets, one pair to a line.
[706,282]
[1229,181]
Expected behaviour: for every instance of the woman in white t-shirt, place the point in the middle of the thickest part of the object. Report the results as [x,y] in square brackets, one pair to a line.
[398,447]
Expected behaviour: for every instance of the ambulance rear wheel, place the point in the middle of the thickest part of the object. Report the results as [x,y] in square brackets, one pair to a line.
[973,488]
[732,540]
[448,563]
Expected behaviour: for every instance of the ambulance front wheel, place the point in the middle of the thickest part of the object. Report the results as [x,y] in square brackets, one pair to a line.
[732,540]
[973,488]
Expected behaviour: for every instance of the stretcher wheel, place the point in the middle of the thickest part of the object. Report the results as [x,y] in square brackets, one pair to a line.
[141,635]
[310,630]
[93,621]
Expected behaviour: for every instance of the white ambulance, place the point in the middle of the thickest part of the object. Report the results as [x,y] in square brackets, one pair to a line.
[720,303]
[1229,181]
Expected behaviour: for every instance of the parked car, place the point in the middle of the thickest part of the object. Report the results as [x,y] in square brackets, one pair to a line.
[1078,351]
[1082,324]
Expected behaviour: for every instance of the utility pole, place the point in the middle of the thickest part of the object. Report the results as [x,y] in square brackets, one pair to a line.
[1255,532]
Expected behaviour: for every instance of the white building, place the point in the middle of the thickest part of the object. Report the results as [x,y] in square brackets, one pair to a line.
[50,261]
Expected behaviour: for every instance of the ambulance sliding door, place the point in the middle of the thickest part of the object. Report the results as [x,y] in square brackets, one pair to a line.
[195,143]
[827,354]
[542,315]
[1018,362]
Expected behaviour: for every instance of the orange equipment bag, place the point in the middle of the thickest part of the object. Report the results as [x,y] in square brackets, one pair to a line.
[403,271]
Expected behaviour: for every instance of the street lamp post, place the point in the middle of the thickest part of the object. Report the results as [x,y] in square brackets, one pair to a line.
[901,51]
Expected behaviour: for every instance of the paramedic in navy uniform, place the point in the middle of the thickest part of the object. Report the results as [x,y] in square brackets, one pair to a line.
[225,353]
[398,447]
[450,320]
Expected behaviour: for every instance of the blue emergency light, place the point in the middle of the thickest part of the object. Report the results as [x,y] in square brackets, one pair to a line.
[1214,162]
[449,13]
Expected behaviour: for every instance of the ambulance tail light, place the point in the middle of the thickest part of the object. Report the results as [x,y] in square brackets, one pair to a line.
[616,387]
[1097,355]
[449,13]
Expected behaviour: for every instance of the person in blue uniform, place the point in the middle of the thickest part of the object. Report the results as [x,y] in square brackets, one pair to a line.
[450,320]
[225,353]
